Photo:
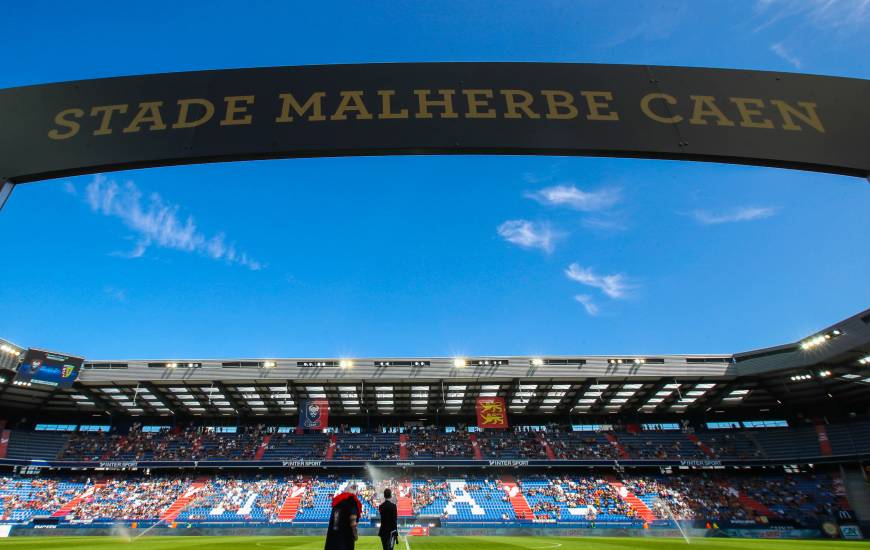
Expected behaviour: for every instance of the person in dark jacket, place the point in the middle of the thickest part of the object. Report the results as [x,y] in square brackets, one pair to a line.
[389,514]
[342,533]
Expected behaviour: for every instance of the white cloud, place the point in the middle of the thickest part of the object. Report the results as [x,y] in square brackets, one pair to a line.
[838,15]
[616,286]
[588,304]
[116,294]
[156,222]
[572,197]
[527,234]
[69,188]
[744,214]
[780,50]
[604,225]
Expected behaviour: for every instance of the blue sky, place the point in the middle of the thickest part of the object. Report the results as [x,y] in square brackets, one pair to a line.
[405,256]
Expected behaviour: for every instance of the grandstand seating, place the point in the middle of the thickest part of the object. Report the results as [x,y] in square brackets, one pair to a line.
[28,445]
[567,499]
[293,446]
[367,447]
[256,443]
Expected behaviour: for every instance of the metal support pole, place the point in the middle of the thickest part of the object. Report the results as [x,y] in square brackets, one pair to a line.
[5,191]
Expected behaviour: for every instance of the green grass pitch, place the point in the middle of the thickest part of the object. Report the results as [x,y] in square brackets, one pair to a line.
[416,543]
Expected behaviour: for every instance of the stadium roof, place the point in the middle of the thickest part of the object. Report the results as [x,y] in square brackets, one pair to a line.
[824,369]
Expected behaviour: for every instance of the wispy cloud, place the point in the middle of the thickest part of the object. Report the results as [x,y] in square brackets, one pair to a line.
[780,50]
[604,225]
[156,222]
[837,15]
[615,286]
[648,26]
[744,214]
[117,294]
[588,304]
[572,197]
[528,234]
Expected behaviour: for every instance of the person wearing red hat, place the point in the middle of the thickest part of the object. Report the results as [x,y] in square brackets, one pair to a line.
[342,533]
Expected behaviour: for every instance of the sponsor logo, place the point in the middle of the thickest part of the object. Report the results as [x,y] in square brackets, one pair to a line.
[119,464]
[508,462]
[701,463]
[301,463]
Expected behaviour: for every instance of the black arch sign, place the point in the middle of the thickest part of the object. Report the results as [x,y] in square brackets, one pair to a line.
[749,117]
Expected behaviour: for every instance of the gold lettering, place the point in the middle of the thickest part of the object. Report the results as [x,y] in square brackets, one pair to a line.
[475,102]
[745,108]
[149,112]
[387,105]
[351,101]
[593,101]
[513,105]
[62,119]
[560,99]
[106,121]
[314,102]
[705,106]
[810,116]
[184,112]
[669,99]
[446,102]
[233,109]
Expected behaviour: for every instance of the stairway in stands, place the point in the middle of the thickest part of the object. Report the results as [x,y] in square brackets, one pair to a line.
[181,502]
[701,445]
[264,444]
[475,447]
[330,450]
[518,501]
[547,447]
[619,448]
[751,504]
[84,495]
[404,503]
[290,507]
[632,499]
[403,447]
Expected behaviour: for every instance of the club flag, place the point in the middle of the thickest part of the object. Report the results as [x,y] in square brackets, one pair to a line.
[491,412]
[314,414]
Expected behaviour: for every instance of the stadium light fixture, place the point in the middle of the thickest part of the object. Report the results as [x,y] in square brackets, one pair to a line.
[269,364]
[345,363]
[171,365]
[10,350]
[864,360]
[460,362]
[818,340]
[537,362]
[824,373]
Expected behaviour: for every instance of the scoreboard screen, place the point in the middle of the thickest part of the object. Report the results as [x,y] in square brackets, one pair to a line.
[48,368]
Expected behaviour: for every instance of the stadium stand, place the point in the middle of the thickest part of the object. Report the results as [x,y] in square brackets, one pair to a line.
[804,499]
[254,443]
[29,445]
